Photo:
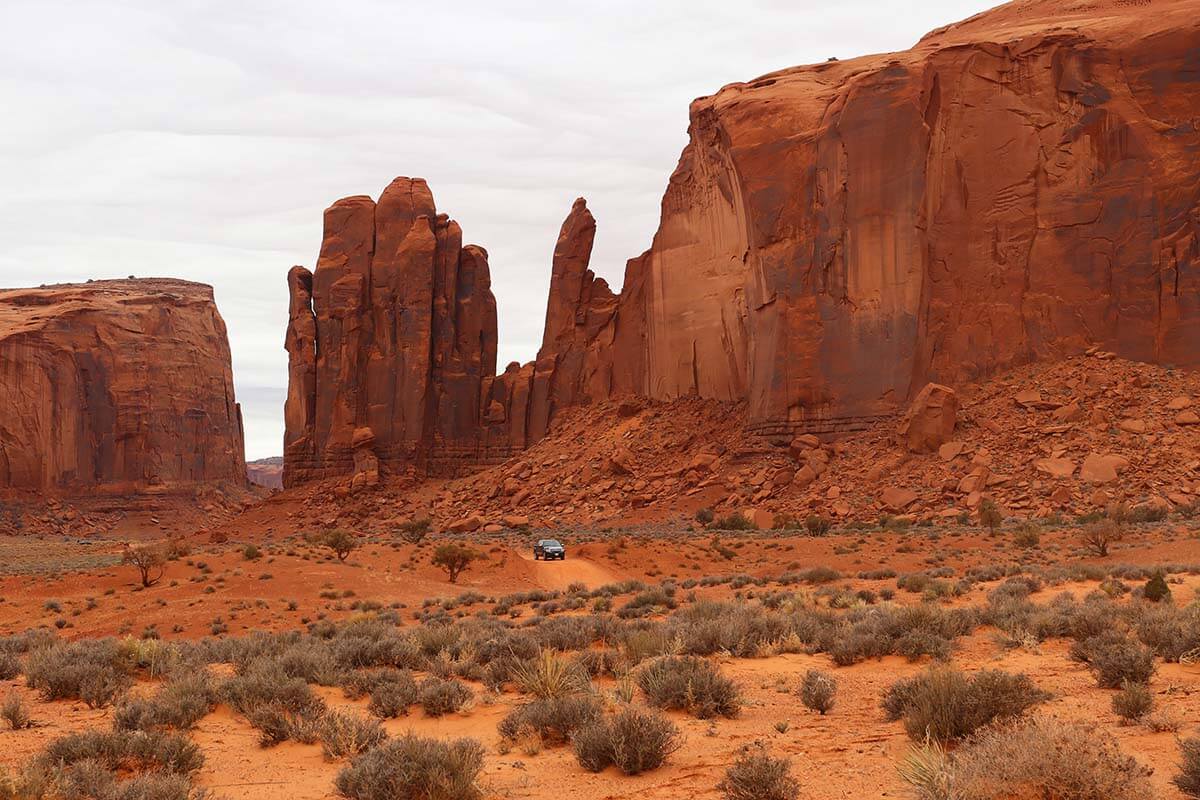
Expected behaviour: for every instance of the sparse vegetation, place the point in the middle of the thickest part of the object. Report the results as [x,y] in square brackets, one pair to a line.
[414,531]
[946,705]
[818,690]
[757,775]
[439,697]
[415,768]
[149,560]
[1187,780]
[94,671]
[635,741]
[343,735]
[15,712]
[691,684]
[1133,702]
[454,559]
[1099,536]
[989,515]
[1156,589]
[341,542]
[1044,757]
[553,720]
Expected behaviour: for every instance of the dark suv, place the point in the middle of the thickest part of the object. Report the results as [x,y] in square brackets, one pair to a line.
[547,549]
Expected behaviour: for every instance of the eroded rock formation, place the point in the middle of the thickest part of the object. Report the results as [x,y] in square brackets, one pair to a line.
[122,385]
[1018,186]
[390,340]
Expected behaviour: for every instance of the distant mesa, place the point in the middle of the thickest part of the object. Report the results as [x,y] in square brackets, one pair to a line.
[266,472]
[117,385]
[1019,186]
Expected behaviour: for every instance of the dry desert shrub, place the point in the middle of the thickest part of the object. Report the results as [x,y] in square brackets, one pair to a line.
[1101,535]
[691,684]
[150,560]
[945,705]
[454,559]
[818,690]
[344,735]
[125,751]
[182,702]
[439,697]
[1115,659]
[635,741]
[15,712]
[757,775]
[414,768]
[1044,757]
[10,666]
[414,530]
[552,719]
[1188,778]
[1133,702]
[94,671]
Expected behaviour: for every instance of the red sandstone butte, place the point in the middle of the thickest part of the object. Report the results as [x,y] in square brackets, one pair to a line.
[390,341]
[118,385]
[1018,186]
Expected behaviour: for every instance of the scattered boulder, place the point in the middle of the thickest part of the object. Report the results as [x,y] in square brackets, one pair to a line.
[465,525]
[802,444]
[1056,467]
[618,462]
[1133,425]
[1068,413]
[951,450]
[1101,468]
[763,520]
[897,499]
[804,476]
[930,419]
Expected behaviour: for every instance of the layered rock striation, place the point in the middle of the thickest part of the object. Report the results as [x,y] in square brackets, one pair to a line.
[1022,185]
[121,385]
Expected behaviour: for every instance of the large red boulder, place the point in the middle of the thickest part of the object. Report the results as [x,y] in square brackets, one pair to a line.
[930,419]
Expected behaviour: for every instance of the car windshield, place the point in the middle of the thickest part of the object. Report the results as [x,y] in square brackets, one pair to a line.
[550,543]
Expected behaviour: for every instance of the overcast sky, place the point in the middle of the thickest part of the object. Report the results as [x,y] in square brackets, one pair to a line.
[202,140]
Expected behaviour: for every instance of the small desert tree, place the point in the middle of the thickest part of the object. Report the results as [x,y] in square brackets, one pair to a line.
[341,542]
[989,515]
[149,559]
[454,559]
[1098,536]
[414,530]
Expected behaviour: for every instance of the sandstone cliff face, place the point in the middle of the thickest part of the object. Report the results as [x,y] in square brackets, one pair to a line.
[1019,186]
[121,385]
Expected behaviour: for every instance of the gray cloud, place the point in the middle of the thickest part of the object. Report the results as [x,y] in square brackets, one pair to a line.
[202,140]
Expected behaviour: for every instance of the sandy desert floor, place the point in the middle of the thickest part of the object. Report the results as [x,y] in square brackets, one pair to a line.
[80,589]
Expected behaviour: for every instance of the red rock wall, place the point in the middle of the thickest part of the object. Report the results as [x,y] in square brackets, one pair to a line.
[1018,186]
[1021,185]
[119,385]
